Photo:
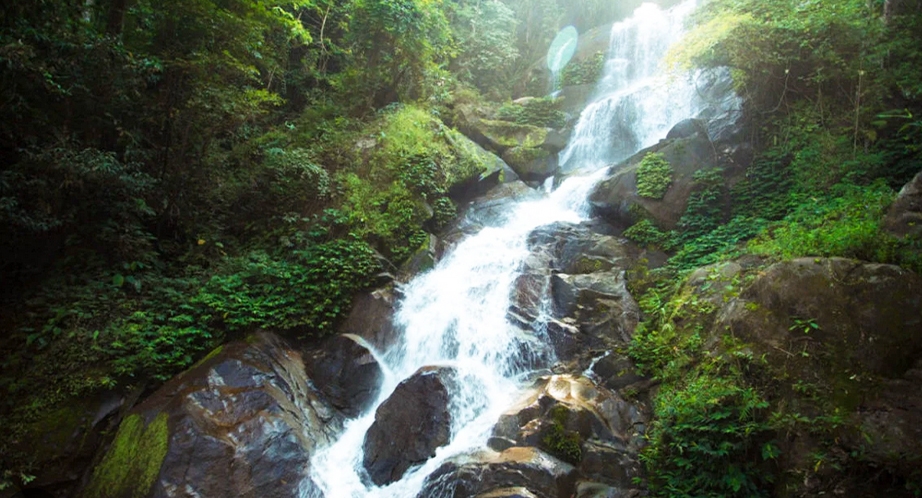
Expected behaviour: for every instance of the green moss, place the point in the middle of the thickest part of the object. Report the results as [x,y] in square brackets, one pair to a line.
[214,352]
[522,156]
[560,442]
[133,461]
[654,176]
[509,134]
[540,112]
[584,72]
[589,264]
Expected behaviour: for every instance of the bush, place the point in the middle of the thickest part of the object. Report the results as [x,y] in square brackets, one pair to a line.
[542,112]
[710,438]
[584,72]
[846,224]
[305,292]
[654,176]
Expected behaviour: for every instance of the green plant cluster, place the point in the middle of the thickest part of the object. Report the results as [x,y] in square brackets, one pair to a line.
[710,438]
[559,441]
[712,434]
[543,112]
[654,176]
[584,72]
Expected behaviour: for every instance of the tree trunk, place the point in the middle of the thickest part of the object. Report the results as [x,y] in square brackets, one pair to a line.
[116,17]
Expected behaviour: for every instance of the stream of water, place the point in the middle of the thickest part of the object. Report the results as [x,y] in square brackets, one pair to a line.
[456,314]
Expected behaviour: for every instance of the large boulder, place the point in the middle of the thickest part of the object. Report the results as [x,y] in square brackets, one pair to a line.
[579,422]
[489,210]
[495,171]
[617,199]
[346,371]
[409,426]
[723,113]
[905,215]
[529,151]
[861,316]
[529,471]
[579,270]
[243,422]
[839,337]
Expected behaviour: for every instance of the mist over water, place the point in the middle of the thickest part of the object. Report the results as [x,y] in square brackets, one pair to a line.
[456,314]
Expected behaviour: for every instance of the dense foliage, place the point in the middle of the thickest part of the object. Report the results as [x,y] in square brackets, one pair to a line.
[177,173]
[832,100]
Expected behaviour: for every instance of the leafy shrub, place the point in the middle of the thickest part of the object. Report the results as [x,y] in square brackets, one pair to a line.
[584,72]
[645,233]
[542,112]
[654,176]
[444,212]
[847,225]
[305,293]
[710,438]
[704,211]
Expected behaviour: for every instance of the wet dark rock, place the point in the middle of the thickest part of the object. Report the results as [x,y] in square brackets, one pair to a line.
[723,114]
[410,425]
[518,492]
[687,128]
[615,371]
[475,475]
[599,303]
[372,317]
[346,371]
[579,248]
[241,423]
[589,426]
[905,215]
[574,275]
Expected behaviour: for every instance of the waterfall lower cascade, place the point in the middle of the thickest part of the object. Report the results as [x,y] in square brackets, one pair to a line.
[456,314]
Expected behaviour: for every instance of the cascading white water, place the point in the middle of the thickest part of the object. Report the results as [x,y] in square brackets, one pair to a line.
[456,314]
[636,102]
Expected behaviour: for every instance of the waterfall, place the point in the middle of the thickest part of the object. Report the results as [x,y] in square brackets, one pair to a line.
[636,102]
[456,314]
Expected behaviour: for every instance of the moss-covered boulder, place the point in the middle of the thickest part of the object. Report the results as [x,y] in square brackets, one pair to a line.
[531,164]
[59,441]
[621,200]
[841,341]
[243,422]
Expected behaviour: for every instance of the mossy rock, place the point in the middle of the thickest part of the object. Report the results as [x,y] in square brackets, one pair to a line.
[133,461]
[531,163]
[504,135]
[557,440]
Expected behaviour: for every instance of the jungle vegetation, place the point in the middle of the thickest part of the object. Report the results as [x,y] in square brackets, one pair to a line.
[177,173]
